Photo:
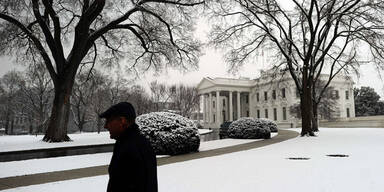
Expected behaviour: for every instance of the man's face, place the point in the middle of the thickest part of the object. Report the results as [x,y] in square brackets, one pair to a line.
[115,126]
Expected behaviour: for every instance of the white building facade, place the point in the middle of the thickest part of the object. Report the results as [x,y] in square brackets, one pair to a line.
[225,99]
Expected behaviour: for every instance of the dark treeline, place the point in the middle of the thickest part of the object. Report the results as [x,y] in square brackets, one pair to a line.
[26,99]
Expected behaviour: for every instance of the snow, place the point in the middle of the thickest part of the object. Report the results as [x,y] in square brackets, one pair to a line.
[28,142]
[33,166]
[209,145]
[267,168]
[204,131]
[164,129]
[251,128]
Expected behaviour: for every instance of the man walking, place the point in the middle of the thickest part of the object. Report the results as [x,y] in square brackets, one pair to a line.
[133,166]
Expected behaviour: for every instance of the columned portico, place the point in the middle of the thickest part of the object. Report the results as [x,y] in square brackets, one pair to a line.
[221,106]
[223,101]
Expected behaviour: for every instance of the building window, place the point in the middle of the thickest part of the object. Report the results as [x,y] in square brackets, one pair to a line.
[284,113]
[258,114]
[223,102]
[265,95]
[283,92]
[247,113]
[274,94]
[275,114]
[346,95]
[257,97]
[213,103]
[246,98]
[266,113]
[335,94]
[214,118]
[348,114]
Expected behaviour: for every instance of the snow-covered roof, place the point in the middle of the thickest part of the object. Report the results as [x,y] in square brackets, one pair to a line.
[207,82]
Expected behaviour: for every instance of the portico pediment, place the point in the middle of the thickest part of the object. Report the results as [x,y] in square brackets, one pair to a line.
[205,83]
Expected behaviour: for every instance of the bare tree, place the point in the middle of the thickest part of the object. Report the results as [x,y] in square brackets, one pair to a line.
[160,94]
[324,105]
[116,88]
[324,102]
[185,99]
[140,99]
[3,98]
[99,101]
[182,98]
[11,84]
[66,34]
[307,37]
[83,92]
[38,92]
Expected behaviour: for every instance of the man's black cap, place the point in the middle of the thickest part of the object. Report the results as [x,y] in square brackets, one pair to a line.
[123,109]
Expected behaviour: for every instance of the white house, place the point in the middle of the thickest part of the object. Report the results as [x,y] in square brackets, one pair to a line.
[225,99]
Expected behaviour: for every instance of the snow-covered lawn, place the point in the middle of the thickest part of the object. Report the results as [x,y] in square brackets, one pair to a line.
[27,142]
[33,166]
[268,169]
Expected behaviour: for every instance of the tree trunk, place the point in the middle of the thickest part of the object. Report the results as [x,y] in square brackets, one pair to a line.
[7,124]
[40,125]
[30,129]
[306,111]
[99,124]
[315,119]
[81,125]
[58,122]
[30,126]
[12,124]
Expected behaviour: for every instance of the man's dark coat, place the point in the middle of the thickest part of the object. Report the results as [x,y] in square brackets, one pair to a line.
[133,164]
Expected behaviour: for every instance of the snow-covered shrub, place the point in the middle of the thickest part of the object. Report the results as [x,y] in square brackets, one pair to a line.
[269,124]
[224,129]
[248,128]
[169,133]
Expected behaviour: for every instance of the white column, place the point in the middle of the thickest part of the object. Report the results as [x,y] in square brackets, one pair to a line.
[249,102]
[204,110]
[230,106]
[238,105]
[210,108]
[218,111]
[198,112]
